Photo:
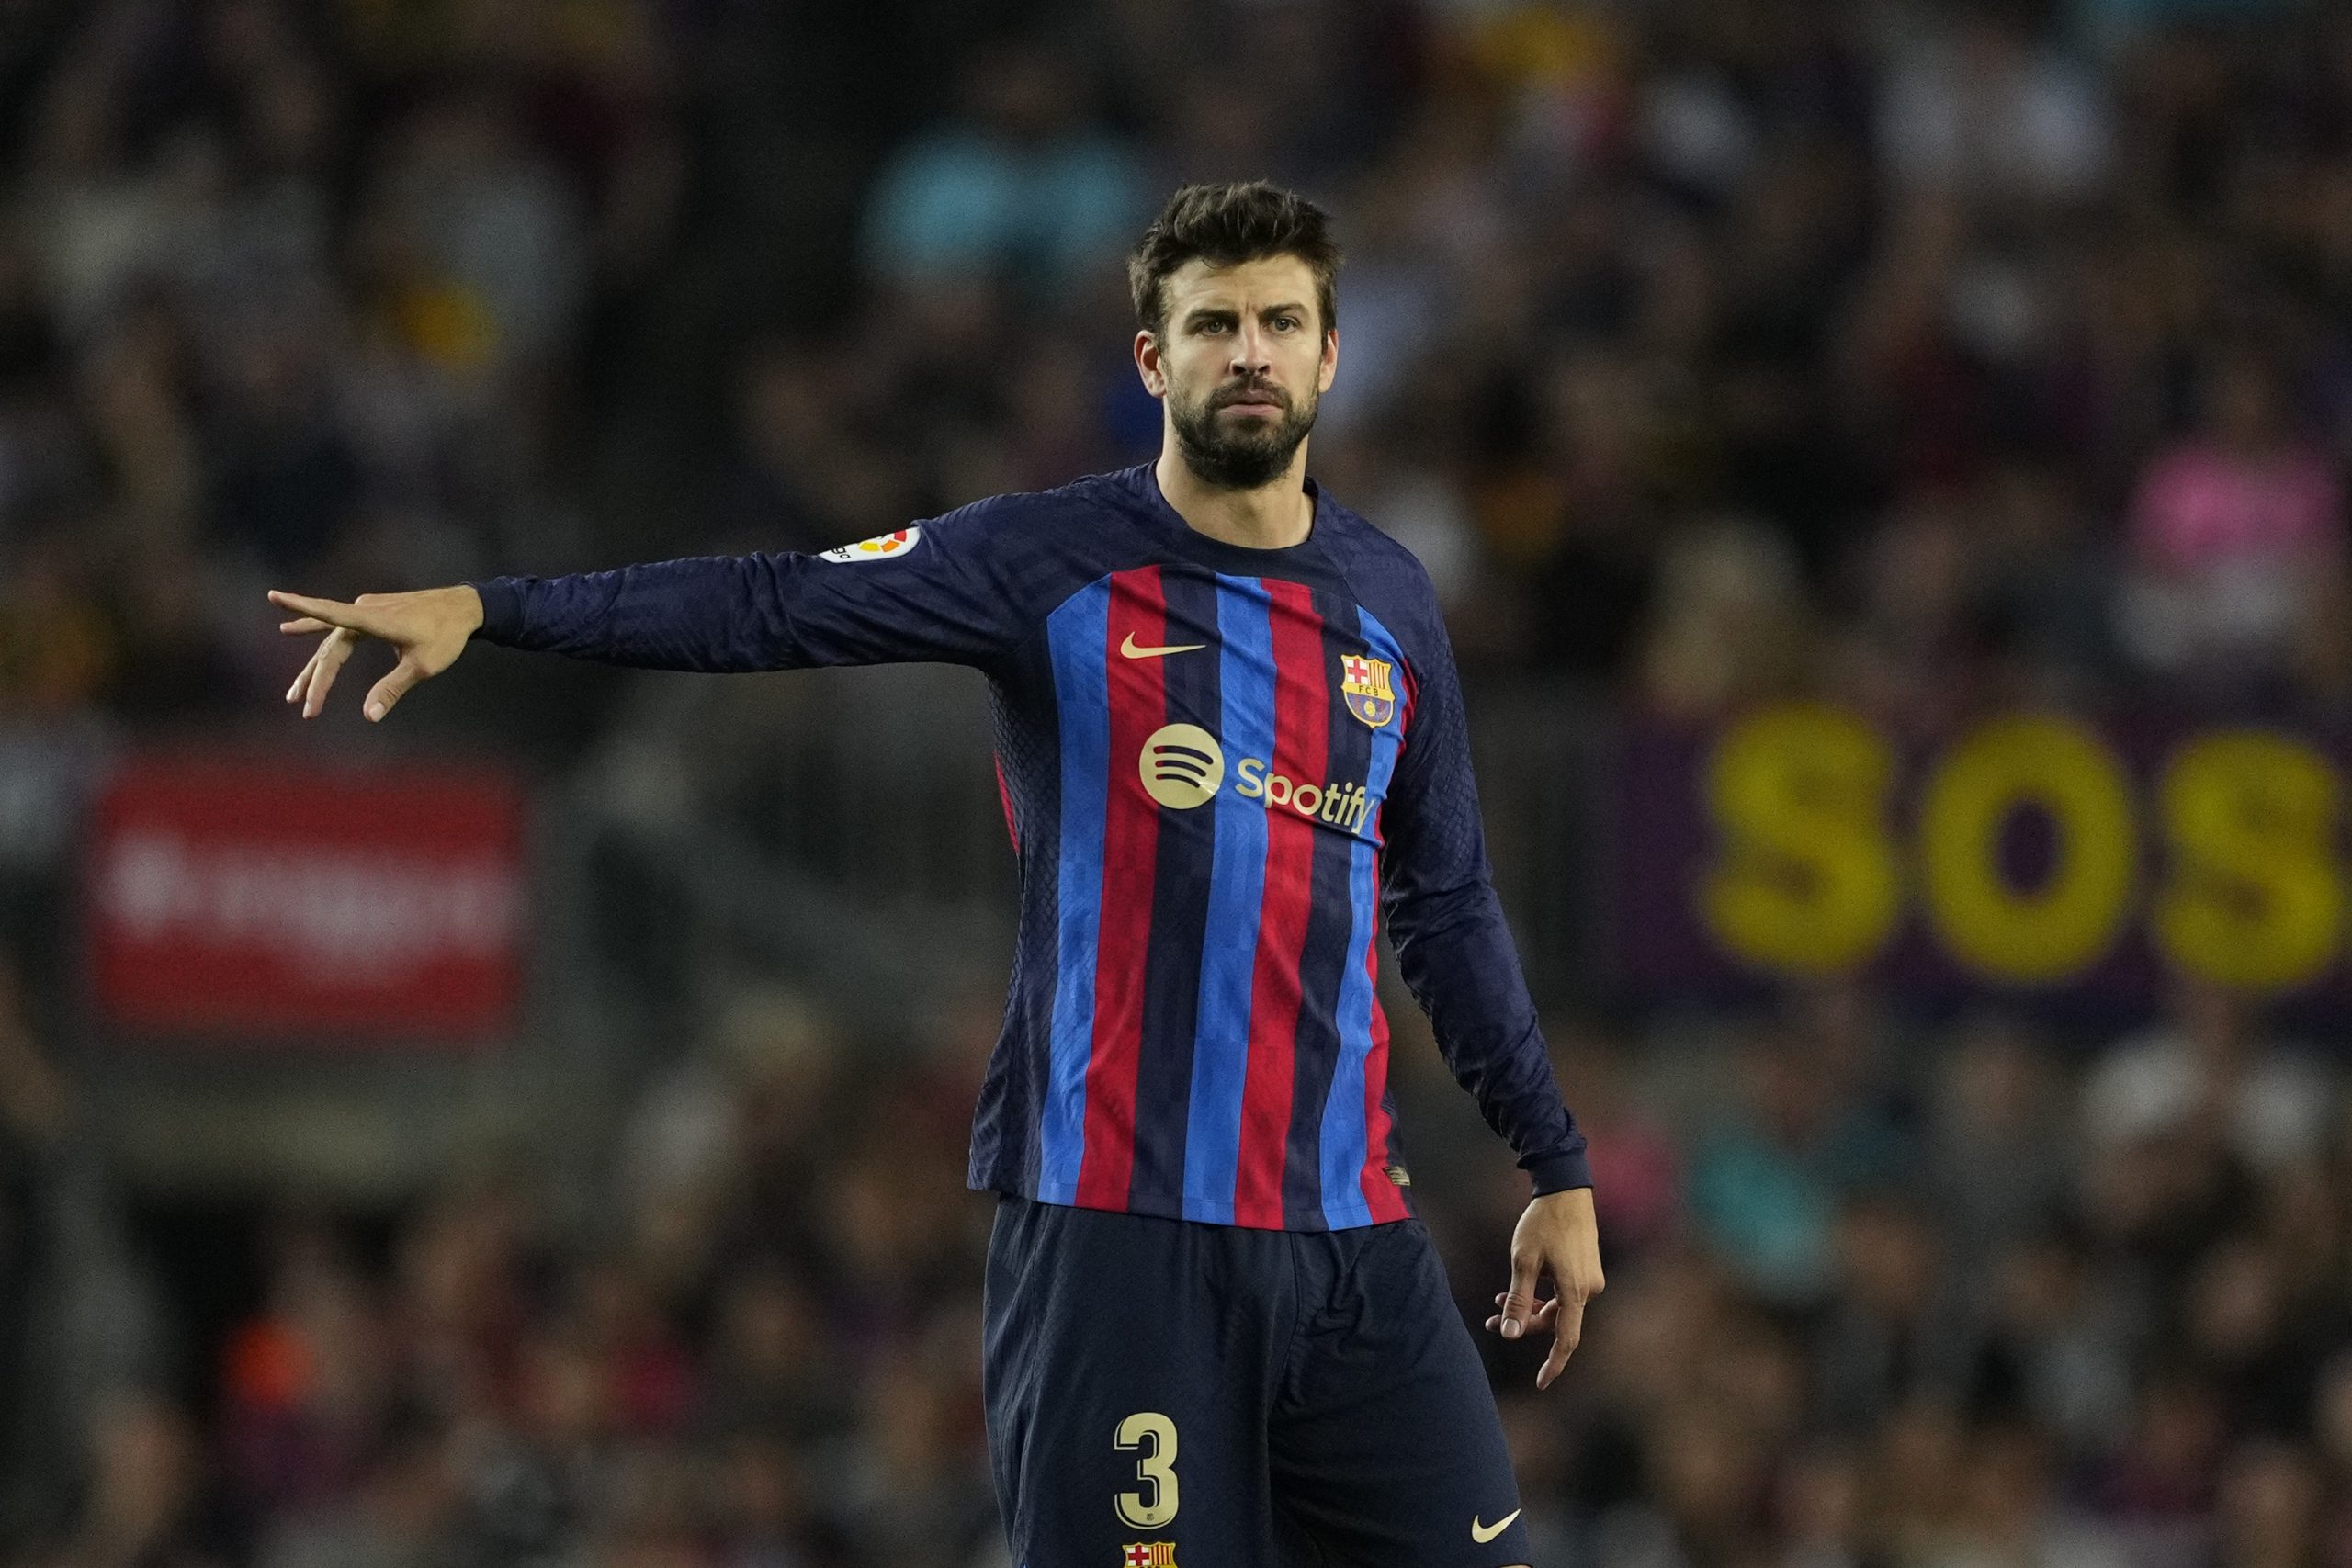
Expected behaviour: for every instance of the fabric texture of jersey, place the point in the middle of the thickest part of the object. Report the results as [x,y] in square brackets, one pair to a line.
[1224,770]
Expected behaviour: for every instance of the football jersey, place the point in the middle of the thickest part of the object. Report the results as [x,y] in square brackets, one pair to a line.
[1224,770]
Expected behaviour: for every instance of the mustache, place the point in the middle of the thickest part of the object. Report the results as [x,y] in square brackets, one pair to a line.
[1251,391]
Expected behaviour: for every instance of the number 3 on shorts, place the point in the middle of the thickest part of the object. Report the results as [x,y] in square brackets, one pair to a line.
[1156,1467]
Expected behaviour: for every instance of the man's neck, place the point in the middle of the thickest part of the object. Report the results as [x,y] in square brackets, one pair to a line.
[1270,517]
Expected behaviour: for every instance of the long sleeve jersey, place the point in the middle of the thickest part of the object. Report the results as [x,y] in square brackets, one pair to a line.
[1223,768]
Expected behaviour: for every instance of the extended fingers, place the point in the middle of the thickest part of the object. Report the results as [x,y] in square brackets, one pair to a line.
[1564,1340]
[325,612]
[317,677]
[1563,1316]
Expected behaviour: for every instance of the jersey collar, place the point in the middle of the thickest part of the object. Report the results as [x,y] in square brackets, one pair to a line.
[1306,562]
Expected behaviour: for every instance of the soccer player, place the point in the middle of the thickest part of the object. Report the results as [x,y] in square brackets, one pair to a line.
[1231,742]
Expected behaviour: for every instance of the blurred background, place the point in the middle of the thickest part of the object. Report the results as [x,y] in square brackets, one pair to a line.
[1884,462]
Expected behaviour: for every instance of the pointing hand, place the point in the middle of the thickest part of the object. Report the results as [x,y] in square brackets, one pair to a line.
[427,629]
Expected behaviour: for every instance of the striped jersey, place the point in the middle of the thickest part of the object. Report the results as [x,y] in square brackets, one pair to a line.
[1224,770]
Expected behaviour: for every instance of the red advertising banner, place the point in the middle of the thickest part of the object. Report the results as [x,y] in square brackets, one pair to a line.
[272,899]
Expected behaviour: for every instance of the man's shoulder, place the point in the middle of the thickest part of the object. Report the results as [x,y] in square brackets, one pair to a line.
[1089,495]
[1079,526]
[1033,549]
[1388,578]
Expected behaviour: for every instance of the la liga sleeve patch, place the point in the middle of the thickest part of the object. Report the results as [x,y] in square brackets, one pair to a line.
[882,547]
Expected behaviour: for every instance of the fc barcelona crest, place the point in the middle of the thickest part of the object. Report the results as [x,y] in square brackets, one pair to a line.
[1365,683]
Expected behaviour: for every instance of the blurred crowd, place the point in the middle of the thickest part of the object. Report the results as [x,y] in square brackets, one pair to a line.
[1882,1294]
[1929,354]
[1890,1295]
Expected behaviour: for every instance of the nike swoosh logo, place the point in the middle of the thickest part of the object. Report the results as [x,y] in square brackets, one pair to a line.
[1484,1533]
[1132,650]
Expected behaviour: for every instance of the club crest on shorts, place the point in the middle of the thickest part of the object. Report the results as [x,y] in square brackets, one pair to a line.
[882,547]
[1365,683]
[1148,1554]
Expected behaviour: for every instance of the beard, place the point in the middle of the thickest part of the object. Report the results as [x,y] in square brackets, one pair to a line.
[1240,455]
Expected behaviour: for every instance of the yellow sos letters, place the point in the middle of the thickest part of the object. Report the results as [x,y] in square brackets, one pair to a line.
[2254,899]
[1807,879]
[1810,875]
[2073,919]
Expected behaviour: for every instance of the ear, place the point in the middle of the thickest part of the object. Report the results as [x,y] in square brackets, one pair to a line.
[1147,364]
[1329,369]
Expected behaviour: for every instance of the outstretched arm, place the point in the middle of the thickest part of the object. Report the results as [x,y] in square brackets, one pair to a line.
[929,592]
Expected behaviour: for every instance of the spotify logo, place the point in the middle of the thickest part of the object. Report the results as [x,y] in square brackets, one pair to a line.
[1182,766]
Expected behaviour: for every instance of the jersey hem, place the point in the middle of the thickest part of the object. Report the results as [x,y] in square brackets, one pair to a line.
[1356,1215]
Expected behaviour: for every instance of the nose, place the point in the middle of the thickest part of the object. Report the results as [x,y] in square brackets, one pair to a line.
[1250,354]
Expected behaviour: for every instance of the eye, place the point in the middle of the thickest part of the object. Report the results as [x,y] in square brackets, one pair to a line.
[1286,323]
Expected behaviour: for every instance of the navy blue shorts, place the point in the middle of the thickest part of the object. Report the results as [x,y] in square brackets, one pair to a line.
[1164,1393]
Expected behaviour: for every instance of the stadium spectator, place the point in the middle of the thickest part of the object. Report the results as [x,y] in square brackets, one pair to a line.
[1020,189]
[2213,1066]
[2230,532]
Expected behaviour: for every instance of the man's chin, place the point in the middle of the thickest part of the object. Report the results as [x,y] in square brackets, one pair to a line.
[1245,452]
[1235,467]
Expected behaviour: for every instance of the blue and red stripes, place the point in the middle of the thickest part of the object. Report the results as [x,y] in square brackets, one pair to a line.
[1245,636]
[1353,1163]
[1081,695]
[1278,994]
[1135,692]
[1218,1049]
[1181,917]
[1381,1194]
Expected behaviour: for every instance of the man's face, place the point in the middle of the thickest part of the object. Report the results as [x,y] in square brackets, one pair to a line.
[1242,362]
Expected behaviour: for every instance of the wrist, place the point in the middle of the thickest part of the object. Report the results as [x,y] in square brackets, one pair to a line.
[1558,1172]
[498,608]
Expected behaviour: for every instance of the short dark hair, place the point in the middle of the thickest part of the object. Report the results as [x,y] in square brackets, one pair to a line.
[1226,225]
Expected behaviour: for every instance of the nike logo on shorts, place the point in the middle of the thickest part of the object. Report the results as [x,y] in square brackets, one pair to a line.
[1484,1533]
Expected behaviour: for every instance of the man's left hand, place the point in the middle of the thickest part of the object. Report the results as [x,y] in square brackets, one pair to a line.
[1558,1235]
